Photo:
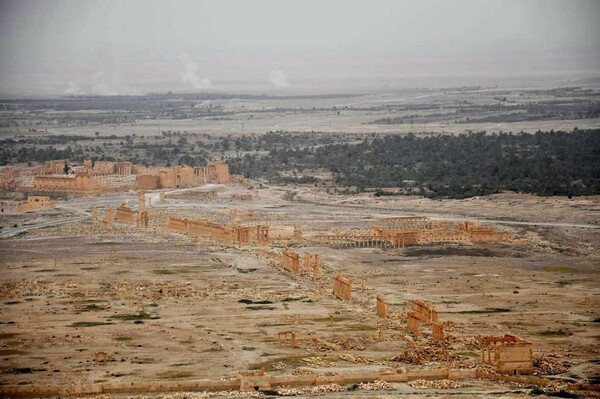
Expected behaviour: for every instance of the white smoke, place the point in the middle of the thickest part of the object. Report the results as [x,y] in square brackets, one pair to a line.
[278,79]
[74,90]
[100,87]
[189,74]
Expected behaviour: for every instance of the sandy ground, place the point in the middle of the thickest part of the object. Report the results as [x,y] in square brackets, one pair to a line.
[164,307]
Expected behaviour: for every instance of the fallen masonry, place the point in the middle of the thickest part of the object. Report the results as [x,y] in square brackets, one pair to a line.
[252,380]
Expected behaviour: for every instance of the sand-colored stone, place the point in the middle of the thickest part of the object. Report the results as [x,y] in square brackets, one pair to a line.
[33,203]
[342,287]
[291,261]
[381,307]
[509,353]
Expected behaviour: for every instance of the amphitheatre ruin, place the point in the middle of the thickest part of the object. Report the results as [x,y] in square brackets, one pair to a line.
[123,279]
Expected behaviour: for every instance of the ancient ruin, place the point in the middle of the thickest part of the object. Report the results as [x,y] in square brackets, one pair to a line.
[61,176]
[287,338]
[312,263]
[427,314]
[342,287]
[220,234]
[381,307]
[437,331]
[291,261]
[33,203]
[413,323]
[125,214]
[509,353]
[260,264]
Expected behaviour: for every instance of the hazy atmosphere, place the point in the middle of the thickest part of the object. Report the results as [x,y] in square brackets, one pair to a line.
[136,47]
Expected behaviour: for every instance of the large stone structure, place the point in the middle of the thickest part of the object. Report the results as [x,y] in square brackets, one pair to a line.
[481,234]
[79,182]
[342,287]
[510,354]
[312,262]
[427,314]
[414,323]
[251,381]
[213,172]
[33,203]
[101,176]
[177,177]
[220,234]
[421,230]
[147,182]
[291,261]
[125,214]
[437,332]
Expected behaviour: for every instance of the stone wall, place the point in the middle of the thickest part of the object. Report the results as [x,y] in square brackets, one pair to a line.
[342,287]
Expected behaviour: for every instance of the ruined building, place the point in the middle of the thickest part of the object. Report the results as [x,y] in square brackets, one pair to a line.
[31,204]
[422,230]
[509,354]
[213,172]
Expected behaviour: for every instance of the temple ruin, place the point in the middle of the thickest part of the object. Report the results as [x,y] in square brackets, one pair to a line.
[61,176]
[509,353]
[33,203]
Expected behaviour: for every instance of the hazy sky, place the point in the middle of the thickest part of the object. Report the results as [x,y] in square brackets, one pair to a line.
[110,47]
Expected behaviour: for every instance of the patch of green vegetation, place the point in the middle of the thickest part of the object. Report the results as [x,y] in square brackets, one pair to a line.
[65,275]
[173,375]
[12,302]
[134,316]
[45,270]
[90,324]
[119,272]
[92,307]
[143,360]
[292,299]
[9,352]
[361,327]
[555,333]
[4,335]
[23,370]
[486,310]
[560,269]
[272,324]
[123,338]
[515,324]
[163,271]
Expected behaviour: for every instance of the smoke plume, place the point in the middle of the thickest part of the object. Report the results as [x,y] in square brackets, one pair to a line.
[278,79]
[189,74]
